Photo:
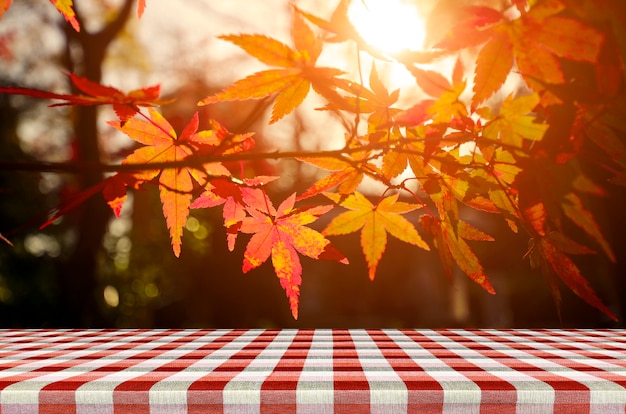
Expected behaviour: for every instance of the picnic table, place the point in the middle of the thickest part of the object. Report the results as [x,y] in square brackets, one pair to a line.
[312,371]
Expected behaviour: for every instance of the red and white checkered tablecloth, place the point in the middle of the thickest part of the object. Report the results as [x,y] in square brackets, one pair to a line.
[312,371]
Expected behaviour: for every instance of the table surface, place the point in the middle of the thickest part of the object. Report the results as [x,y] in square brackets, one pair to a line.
[312,371]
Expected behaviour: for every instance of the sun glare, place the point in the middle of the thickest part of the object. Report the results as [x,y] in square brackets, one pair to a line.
[388,25]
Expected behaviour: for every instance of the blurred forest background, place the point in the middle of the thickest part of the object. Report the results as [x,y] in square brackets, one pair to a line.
[92,270]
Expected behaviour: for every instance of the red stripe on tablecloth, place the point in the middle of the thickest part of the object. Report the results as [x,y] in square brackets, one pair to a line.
[569,395]
[64,392]
[352,390]
[587,336]
[26,346]
[278,392]
[530,347]
[63,346]
[425,392]
[55,355]
[55,396]
[206,393]
[494,389]
[574,343]
[133,396]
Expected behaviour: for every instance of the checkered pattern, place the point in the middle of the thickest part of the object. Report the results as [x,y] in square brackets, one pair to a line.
[312,371]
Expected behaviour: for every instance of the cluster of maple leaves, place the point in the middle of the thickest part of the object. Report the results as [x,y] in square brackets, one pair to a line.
[520,163]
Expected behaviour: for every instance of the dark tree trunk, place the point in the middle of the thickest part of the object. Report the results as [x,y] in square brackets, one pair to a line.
[79,273]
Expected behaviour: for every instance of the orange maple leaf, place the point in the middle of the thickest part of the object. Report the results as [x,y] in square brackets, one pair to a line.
[65,7]
[347,172]
[377,101]
[141,7]
[374,221]
[292,83]
[282,233]
[162,145]
[493,64]
[4,6]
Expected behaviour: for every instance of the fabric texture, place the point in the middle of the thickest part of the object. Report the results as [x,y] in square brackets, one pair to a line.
[312,371]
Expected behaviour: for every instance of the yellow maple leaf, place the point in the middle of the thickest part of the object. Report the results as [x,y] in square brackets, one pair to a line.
[374,221]
[515,121]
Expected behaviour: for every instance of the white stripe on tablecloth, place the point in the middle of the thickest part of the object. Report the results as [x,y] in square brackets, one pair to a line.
[243,392]
[99,392]
[605,396]
[27,390]
[457,388]
[315,392]
[582,342]
[171,392]
[531,391]
[54,341]
[388,393]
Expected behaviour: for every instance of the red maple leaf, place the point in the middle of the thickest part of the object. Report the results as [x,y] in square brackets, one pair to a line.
[125,105]
[282,234]
[230,193]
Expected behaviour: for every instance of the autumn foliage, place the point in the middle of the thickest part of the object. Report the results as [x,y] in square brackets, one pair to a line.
[455,149]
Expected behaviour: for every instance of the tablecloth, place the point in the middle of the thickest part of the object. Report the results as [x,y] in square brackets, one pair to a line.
[312,371]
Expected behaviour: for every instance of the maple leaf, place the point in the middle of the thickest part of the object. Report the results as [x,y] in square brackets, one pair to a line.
[374,221]
[495,58]
[473,30]
[574,209]
[290,84]
[394,163]
[4,6]
[4,239]
[230,193]
[431,82]
[65,7]
[163,145]
[448,104]
[344,175]
[114,190]
[416,114]
[72,202]
[125,105]
[339,28]
[493,64]
[453,248]
[515,121]
[547,253]
[141,7]
[376,101]
[541,36]
[347,172]
[449,234]
[282,233]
